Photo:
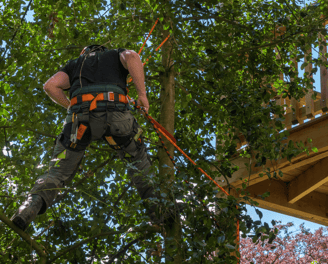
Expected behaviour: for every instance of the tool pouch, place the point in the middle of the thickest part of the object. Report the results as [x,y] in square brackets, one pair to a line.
[123,132]
[76,135]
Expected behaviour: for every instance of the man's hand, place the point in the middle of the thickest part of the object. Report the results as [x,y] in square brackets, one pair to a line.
[143,101]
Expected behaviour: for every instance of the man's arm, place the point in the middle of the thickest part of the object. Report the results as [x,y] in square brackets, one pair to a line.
[54,88]
[131,61]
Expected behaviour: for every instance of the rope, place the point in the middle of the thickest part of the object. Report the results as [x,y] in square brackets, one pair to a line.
[130,79]
[174,164]
[148,36]
[157,48]
[157,129]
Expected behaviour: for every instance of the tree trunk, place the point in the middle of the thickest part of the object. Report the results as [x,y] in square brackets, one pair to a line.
[166,168]
[220,194]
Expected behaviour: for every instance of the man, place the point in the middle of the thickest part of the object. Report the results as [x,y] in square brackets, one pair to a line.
[98,109]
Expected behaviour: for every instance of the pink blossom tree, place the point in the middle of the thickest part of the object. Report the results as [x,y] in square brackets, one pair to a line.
[301,247]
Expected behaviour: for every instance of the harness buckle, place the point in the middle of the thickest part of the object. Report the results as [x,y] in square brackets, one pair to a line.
[74,135]
[111,96]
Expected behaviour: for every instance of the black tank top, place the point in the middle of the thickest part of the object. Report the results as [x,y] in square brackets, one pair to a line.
[98,68]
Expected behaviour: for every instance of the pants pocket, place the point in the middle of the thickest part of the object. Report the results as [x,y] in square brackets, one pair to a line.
[121,123]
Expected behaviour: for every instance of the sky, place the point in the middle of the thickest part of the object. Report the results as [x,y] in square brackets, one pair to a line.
[268,216]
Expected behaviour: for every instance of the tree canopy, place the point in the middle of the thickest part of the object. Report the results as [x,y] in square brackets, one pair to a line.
[217,77]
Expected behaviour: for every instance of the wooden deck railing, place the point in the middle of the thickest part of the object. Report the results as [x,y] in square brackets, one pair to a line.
[306,108]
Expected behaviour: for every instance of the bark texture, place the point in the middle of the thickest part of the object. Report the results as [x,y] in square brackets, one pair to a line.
[167,99]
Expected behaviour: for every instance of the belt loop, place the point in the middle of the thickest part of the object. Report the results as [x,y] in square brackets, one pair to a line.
[79,99]
[116,97]
[85,112]
[106,96]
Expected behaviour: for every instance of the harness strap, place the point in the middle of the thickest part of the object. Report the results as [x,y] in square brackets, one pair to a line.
[110,96]
[96,88]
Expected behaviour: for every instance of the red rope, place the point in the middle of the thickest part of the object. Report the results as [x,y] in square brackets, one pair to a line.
[130,79]
[148,36]
[168,137]
[157,48]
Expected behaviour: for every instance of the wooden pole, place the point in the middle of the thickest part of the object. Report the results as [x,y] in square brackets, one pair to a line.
[309,103]
[323,74]
[294,103]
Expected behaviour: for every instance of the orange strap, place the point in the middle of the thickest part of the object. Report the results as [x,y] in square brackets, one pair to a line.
[100,97]
[80,132]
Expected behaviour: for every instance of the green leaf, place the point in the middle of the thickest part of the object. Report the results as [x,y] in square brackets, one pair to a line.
[259,213]
[4,112]
[221,239]
[229,246]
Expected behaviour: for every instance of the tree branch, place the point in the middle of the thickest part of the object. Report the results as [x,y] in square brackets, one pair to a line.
[40,133]
[12,39]
[145,19]
[235,23]
[86,175]
[122,252]
[94,250]
[142,230]
[273,43]
[25,237]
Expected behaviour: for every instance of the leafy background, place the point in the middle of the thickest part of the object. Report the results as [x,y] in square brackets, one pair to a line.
[226,77]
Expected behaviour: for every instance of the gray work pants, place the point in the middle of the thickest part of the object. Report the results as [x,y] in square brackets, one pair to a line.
[65,163]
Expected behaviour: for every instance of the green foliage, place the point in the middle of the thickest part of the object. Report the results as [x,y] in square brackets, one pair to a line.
[222,53]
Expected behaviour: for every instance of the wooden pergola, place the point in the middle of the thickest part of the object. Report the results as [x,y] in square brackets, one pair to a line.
[303,190]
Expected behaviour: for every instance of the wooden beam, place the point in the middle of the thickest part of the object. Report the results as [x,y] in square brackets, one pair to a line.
[254,177]
[323,74]
[315,129]
[300,163]
[308,181]
[312,207]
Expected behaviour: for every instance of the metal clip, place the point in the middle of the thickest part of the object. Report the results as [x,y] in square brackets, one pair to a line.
[138,134]
[74,130]
[109,96]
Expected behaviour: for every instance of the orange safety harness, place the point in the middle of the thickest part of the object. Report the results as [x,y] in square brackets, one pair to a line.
[161,130]
[109,96]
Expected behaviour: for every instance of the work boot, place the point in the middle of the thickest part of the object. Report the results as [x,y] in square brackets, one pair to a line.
[27,212]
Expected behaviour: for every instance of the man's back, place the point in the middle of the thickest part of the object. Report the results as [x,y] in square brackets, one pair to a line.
[102,72]
[98,67]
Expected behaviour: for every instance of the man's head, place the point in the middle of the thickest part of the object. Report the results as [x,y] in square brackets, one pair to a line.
[91,48]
